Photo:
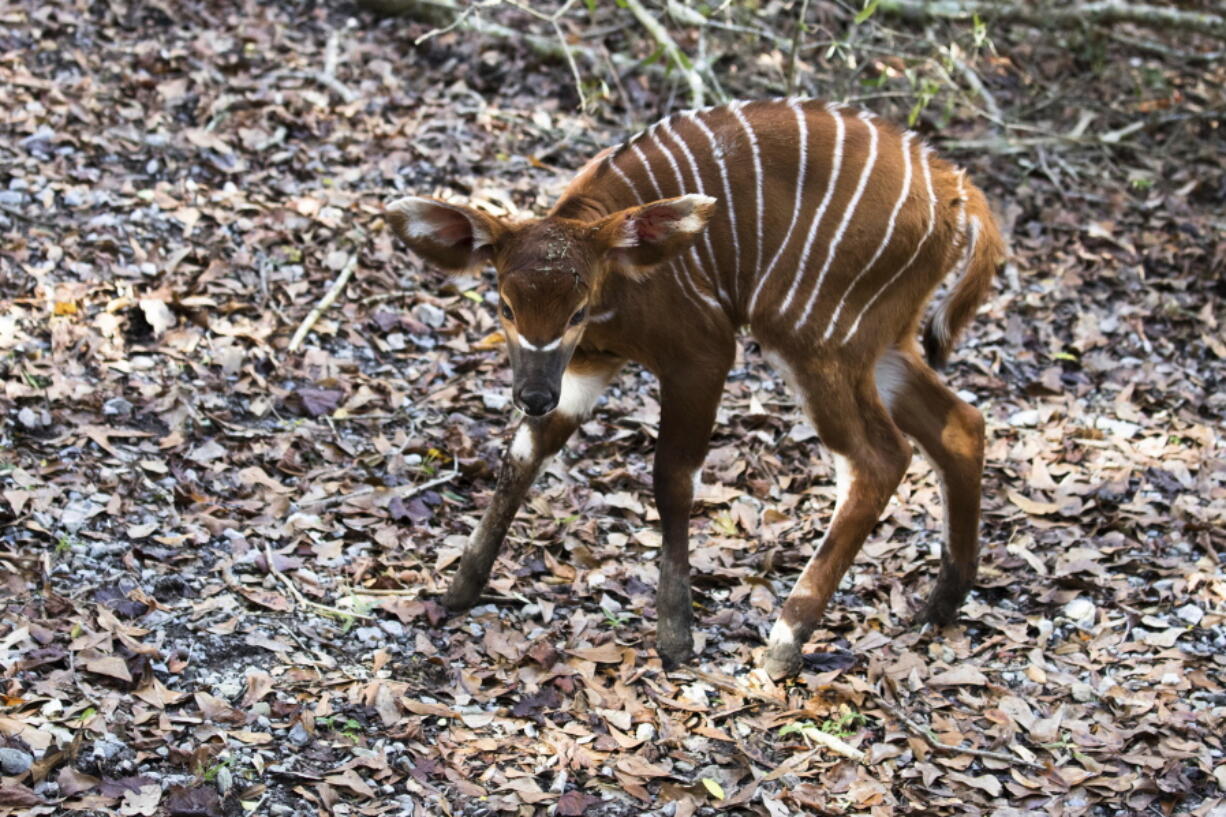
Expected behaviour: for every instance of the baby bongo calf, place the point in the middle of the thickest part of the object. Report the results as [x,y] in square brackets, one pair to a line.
[822,229]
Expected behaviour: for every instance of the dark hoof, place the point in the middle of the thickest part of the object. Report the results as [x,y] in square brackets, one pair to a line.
[676,647]
[782,661]
[458,599]
[941,609]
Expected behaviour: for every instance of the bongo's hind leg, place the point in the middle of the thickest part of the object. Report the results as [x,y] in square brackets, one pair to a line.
[871,457]
[951,434]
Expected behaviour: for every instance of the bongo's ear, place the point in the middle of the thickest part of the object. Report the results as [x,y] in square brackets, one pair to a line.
[451,236]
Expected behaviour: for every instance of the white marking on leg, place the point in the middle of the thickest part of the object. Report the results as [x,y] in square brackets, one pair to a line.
[781,634]
[903,192]
[580,393]
[803,139]
[836,161]
[843,477]
[735,109]
[932,223]
[848,214]
[523,446]
[892,374]
[717,155]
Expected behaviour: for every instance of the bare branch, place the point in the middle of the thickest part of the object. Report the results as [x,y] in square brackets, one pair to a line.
[322,306]
[1066,15]
[675,56]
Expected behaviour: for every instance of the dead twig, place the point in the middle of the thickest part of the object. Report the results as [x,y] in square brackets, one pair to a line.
[303,600]
[960,749]
[672,51]
[330,82]
[401,491]
[796,38]
[322,306]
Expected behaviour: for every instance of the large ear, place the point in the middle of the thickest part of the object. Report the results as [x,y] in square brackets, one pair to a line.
[650,234]
[447,235]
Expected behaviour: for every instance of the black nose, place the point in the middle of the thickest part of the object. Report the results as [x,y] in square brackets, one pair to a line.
[537,400]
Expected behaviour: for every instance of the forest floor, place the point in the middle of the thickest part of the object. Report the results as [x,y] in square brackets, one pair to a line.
[180,183]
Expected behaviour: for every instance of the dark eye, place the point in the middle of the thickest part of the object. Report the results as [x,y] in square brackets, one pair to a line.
[578,317]
[506,312]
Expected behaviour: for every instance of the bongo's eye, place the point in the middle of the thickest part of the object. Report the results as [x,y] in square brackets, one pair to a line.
[506,312]
[578,317]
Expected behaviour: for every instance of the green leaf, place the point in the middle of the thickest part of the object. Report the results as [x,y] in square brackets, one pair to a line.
[717,791]
[867,11]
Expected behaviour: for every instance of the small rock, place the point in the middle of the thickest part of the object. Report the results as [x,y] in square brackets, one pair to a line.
[1169,679]
[430,315]
[393,628]
[645,731]
[14,762]
[1191,614]
[1081,611]
[1082,693]
[299,735]
[1025,419]
[11,198]
[116,407]
[29,418]
[494,402]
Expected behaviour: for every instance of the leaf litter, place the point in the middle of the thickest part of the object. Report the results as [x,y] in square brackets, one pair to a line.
[221,561]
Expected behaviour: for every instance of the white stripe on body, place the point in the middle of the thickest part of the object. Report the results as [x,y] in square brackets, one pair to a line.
[836,162]
[932,223]
[686,288]
[735,109]
[848,214]
[800,186]
[690,275]
[903,193]
[717,155]
[712,267]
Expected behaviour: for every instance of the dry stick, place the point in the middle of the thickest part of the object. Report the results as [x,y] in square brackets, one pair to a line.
[323,305]
[331,83]
[796,37]
[458,21]
[552,19]
[973,80]
[1067,15]
[834,744]
[961,749]
[401,491]
[660,34]
[1161,50]
[303,600]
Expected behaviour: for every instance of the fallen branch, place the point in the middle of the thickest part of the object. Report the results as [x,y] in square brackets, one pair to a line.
[330,82]
[1160,50]
[303,600]
[401,491]
[672,51]
[960,749]
[1063,15]
[322,306]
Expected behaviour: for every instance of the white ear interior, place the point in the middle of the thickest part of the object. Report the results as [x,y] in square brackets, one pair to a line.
[442,223]
[661,221]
